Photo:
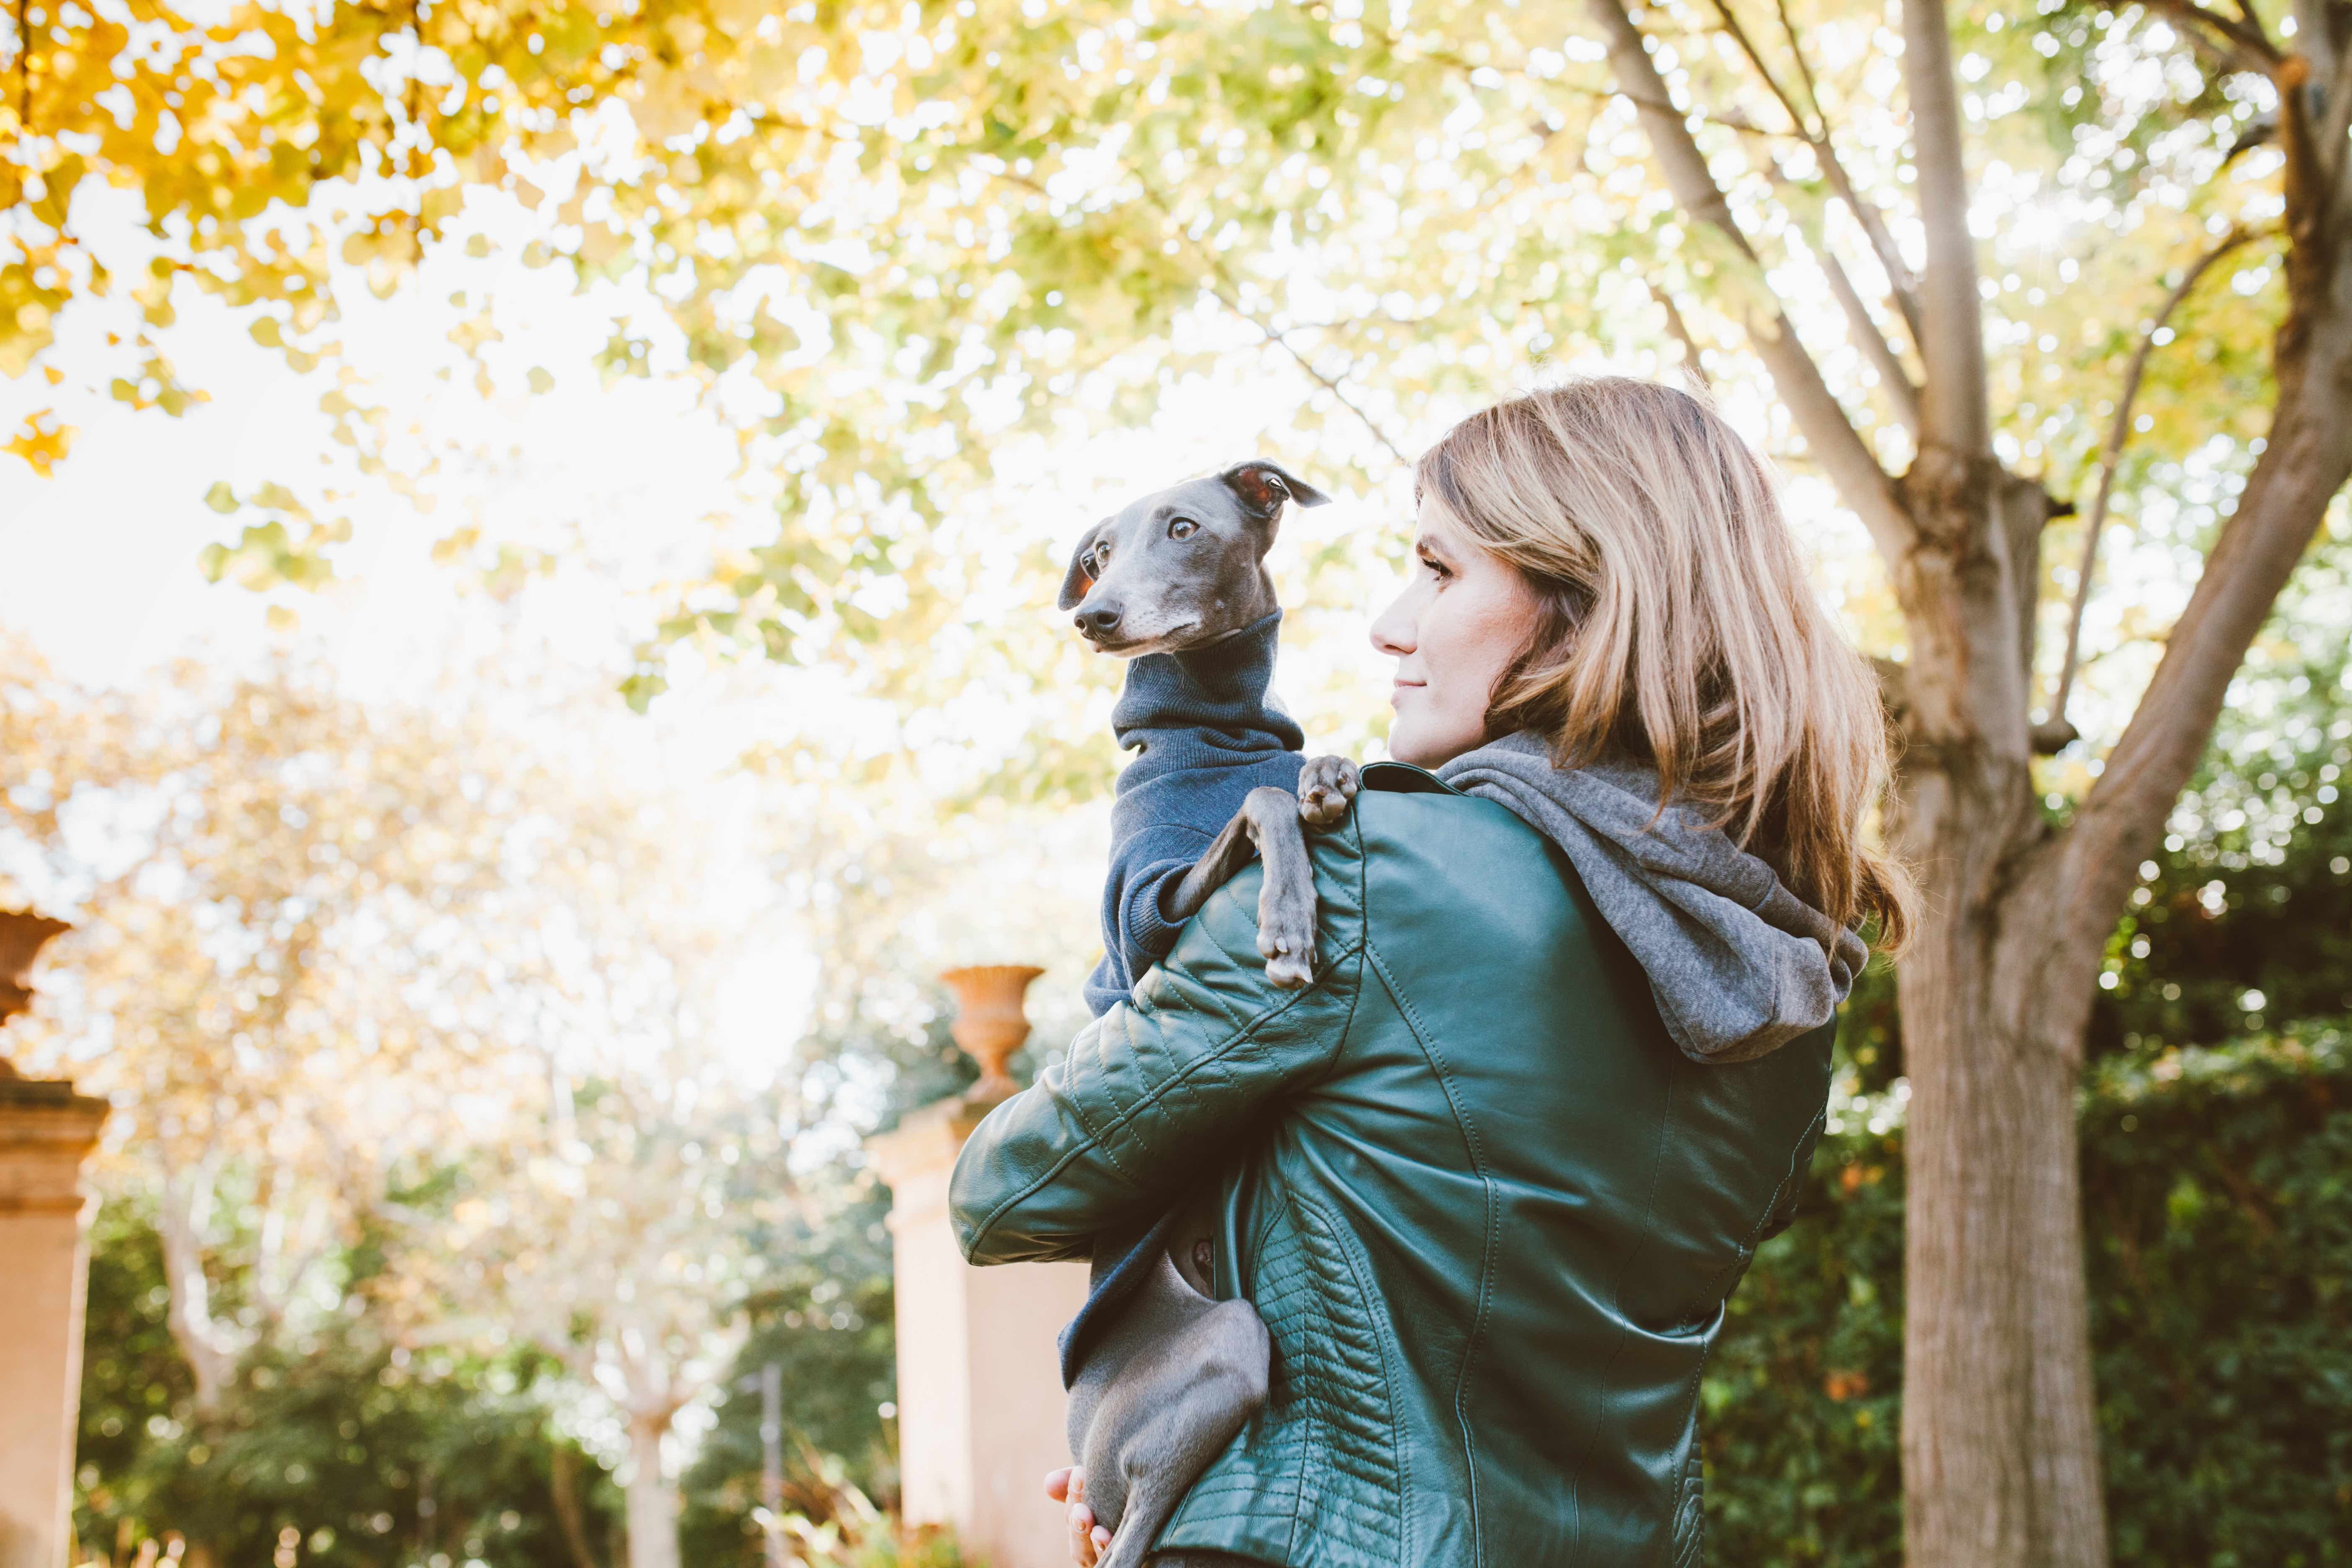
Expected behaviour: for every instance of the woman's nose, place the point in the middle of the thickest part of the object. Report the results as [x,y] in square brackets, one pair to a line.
[1393,629]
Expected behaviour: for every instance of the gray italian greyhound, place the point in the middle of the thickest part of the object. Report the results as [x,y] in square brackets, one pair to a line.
[1175,1373]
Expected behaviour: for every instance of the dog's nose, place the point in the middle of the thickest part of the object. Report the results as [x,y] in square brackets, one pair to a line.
[1098,623]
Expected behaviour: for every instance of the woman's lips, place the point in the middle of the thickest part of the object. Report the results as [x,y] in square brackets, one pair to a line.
[1398,690]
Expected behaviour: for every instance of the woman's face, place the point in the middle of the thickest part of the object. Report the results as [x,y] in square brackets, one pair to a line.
[1458,623]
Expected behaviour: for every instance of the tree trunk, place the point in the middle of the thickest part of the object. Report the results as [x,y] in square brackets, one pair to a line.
[563,1484]
[1999,1428]
[2000,1432]
[186,1200]
[653,1503]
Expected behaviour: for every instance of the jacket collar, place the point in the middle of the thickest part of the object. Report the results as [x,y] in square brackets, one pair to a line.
[1402,778]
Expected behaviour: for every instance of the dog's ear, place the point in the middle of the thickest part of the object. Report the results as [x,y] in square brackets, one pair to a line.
[1264,487]
[1078,580]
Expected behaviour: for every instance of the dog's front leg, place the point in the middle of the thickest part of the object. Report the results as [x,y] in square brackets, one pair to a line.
[1225,857]
[1286,899]
[1267,821]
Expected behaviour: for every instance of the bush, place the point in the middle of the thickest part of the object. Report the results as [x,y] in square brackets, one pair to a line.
[346,1453]
[2217,1200]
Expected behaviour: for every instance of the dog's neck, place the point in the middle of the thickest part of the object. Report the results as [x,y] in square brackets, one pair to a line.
[1260,603]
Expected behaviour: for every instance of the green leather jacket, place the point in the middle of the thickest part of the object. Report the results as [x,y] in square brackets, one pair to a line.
[1489,1213]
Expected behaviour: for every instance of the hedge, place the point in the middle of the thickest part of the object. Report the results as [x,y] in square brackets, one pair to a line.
[2218,1202]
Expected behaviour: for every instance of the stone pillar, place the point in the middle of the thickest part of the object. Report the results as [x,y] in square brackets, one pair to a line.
[45,1132]
[980,1416]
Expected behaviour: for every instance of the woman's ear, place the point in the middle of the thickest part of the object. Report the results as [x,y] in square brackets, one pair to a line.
[1078,579]
[1263,487]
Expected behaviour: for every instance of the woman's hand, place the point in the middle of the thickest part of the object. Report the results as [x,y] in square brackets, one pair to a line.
[1088,1541]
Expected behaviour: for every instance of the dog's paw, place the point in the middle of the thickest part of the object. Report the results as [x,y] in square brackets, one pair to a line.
[1288,971]
[1287,945]
[1326,786]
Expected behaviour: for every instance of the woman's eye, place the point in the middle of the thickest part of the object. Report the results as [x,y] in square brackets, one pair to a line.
[1183,528]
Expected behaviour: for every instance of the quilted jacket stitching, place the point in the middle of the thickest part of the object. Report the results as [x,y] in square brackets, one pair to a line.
[1399,1453]
[1232,956]
[1273,1464]
[1094,1139]
[1691,1471]
[1436,1056]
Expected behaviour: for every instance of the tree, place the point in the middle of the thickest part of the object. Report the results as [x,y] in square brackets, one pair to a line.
[281,976]
[2000,1449]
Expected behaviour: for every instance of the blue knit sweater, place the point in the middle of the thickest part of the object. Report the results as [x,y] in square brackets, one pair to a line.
[1205,735]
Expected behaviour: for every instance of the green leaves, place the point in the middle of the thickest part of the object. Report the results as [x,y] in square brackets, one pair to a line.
[294,547]
[2221,1264]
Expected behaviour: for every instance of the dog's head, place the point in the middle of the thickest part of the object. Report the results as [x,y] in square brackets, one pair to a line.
[1183,568]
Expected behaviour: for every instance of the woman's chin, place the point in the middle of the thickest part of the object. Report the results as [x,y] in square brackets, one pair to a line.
[1418,746]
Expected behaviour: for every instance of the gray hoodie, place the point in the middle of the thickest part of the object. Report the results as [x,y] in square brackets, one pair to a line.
[1739,966]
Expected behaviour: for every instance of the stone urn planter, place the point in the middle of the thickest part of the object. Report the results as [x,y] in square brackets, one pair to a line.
[991,1023]
[22,937]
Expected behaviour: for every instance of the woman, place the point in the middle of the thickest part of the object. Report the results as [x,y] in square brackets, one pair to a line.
[1490,1180]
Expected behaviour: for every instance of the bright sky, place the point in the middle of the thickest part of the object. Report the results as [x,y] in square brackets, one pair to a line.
[98,565]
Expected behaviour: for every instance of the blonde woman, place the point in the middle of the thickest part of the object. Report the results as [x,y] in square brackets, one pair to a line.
[1490,1180]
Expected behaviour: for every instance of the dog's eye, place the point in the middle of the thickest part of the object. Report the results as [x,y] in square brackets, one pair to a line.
[1101,558]
[1183,528]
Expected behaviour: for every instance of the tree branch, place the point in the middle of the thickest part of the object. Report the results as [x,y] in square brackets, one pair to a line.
[1227,292]
[2337,130]
[1953,413]
[563,1469]
[2253,20]
[1861,327]
[2305,463]
[1901,287]
[1338,393]
[1835,444]
[1812,129]
[2118,432]
[2249,48]
[1681,330]
[2315,34]
[1871,340]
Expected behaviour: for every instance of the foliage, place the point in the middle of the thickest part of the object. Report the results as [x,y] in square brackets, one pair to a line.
[2247,913]
[430,1032]
[823,1318]
[281,974]
[2244,915]
[368,1453]
[885,240]
[375,1453]
[851,1533]
[2220,1213]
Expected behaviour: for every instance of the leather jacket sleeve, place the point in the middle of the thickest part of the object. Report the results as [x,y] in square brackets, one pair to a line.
[1157,1090]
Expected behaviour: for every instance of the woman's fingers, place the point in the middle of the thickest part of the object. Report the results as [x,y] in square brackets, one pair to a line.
[1083,1547]
[1057,1483]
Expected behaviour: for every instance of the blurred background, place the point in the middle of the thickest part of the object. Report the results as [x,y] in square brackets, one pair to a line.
[527,557]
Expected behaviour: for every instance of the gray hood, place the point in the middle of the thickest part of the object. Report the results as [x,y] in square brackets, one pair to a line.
[1739,966]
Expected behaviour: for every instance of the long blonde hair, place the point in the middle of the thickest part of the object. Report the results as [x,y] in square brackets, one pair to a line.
[1677,628]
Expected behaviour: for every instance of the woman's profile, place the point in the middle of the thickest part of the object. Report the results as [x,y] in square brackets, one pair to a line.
[1491,1178]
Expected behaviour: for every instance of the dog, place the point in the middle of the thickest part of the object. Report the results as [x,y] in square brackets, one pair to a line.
[1185,568]
[1171,1374]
